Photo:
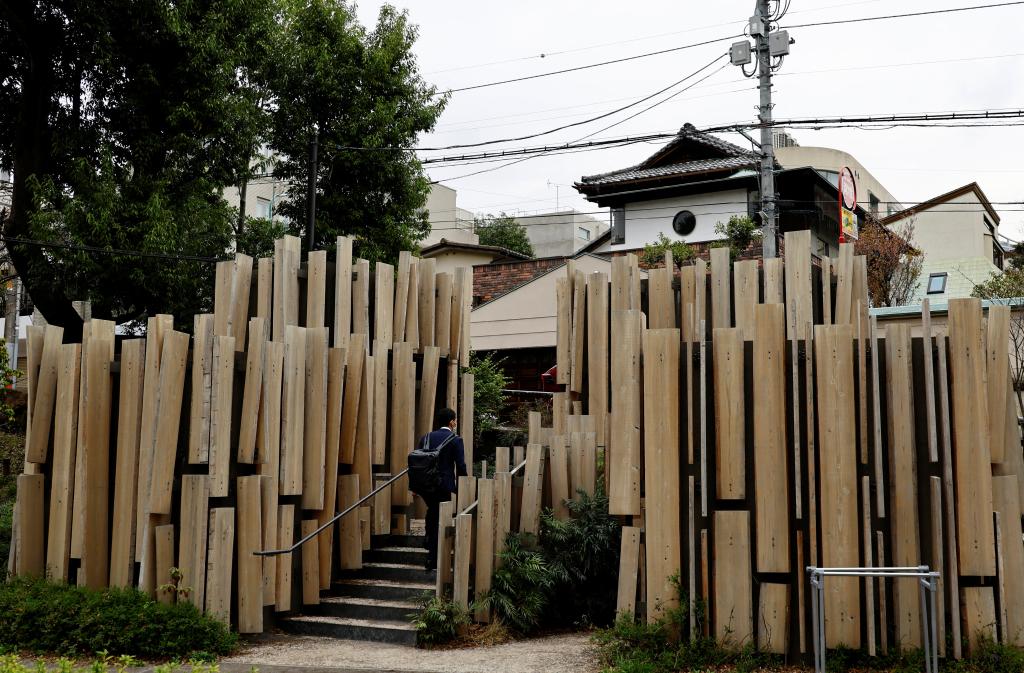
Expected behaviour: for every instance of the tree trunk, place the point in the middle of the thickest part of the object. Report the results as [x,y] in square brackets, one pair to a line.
[240,227]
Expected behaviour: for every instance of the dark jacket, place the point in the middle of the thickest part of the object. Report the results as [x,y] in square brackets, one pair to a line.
[451,460]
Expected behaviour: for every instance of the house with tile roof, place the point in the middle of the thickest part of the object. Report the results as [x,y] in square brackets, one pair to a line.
[958,234]
[697,181]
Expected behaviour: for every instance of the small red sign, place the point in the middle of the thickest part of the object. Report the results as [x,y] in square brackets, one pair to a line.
[847,188]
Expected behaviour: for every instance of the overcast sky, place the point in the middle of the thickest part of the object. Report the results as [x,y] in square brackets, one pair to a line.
[960,61]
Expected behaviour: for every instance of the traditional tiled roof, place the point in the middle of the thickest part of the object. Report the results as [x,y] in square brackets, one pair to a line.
[670,170]
[730,157]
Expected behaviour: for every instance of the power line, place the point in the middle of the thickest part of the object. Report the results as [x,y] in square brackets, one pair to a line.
[930,12]
[594,65]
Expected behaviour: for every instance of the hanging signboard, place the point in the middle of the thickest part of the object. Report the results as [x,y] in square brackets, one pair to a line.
[847,205]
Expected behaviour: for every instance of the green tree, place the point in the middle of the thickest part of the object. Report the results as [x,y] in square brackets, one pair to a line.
[359,93]
[489,384]
[653,254]
[504,232]
[122,122]
[740,232]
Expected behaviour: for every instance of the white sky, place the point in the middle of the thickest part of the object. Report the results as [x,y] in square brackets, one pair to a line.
[867,68]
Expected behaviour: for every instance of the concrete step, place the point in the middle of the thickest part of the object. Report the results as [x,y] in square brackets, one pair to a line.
[388,610]
[356,587]
[391,571]
[346,628]
[393,540]
[411,556]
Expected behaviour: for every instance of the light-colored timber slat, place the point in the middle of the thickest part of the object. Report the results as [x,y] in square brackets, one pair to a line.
[45,396]
[353,390]
[629,565]
[250,567]
[734,614]
[126,474]
[285,539]
[31,561]
[248,423]
[293,401]
[426,304]
[221,395]
[310,565]
[97,392]
[997,374]
[219,563]
[62,474]
[623,458]
[483,566]
[316,288]
[342,292]
[195,494]
[597,352]
[746,290]
[773,618]
[771,480]
[730,413]
[314,453]
[721,289]
[202,381]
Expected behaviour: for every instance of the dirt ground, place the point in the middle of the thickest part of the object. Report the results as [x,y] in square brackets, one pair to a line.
[564,653]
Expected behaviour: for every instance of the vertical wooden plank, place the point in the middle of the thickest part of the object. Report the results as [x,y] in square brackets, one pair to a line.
[827,266]
[45,395]
[444,547]
[773,618]
[268,438]
[458,302]
[952,578]
[428,391]
[929,381]
[361,299]
[29,511]
[876,419]
[342,292]
[62,475]
[836,442]
[623,455]
[250,566]
[166,592]
[265,290]
[286,284]
[730,413]
[241,286]
[771,481]
[285,539]
[721,292]
[219,563]
[563,330]
[484,556]
[577,345]
[503,513]
[316,288]
[314,453]
[195,494]
[361,461]
[937,560]
[202,385]
[597,353]
[773,273]
[381,510]
[403,415]
[443,324]
[502,459]
[559,458]
[412,313]
[427,286]
[353,391]
[661,467]
[661,313]
[310,565]
[222,306]
[463,548]
[979,609]
[248,423]
[1006,499]
[844,284]
[883,613]
[903,520]
[349,544]
[799,306]
[269,513]
[862,324]
[467,306]
[869,583]
[220,416]
[998,376]
[97,389]
[332,447]
[733,611]
[384,305]
[466,418]
[746,296]
[629,557]
[971,441]
[129,417]
[529,521]
[293,401]
[401,299]
[168,416]
[380,405]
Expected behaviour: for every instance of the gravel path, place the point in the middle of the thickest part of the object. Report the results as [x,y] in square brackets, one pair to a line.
[571,653]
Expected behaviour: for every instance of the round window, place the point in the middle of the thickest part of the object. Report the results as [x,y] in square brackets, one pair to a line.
[684,223]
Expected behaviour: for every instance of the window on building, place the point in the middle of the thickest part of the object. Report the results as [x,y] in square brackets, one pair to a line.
[875,202]
[264,209]
[684,223]
[937,282]
[997,255]
[583,232]
[618,226]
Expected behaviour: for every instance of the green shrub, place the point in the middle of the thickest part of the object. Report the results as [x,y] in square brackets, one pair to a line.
[521,587]
[46,617]
[583,551]
[438,620]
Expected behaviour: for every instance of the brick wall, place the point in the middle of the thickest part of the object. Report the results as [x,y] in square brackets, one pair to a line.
[492,280]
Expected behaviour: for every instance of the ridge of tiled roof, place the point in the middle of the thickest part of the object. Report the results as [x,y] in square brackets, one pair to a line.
[680,169]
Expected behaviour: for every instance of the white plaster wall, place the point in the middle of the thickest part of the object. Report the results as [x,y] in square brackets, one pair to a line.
[953,230]
[449,260]
[828,159]
[646,219]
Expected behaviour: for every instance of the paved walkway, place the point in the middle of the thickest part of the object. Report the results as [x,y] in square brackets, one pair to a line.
[571,653]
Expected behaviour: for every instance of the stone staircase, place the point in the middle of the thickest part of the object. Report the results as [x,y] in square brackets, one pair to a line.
[374,602]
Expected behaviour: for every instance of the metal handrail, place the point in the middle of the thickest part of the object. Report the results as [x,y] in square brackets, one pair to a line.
[470,506]
[351,508]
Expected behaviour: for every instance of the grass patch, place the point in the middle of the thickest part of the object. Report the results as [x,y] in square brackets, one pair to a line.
[44,617]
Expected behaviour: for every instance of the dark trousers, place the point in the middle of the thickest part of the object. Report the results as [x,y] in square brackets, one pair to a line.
[433,512]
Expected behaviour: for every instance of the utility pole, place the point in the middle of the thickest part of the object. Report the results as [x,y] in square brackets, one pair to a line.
[311,194]
[769,44]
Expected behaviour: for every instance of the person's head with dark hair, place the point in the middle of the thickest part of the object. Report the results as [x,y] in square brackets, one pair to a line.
[444,418]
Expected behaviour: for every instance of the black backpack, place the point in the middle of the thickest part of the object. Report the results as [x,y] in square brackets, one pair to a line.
[425,469]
